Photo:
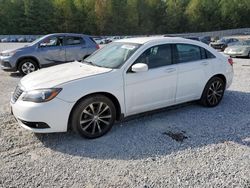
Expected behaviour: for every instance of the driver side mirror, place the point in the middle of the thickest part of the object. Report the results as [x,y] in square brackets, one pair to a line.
[140,67]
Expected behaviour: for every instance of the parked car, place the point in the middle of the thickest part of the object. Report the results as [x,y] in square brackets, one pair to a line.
[223,43]
[99,40]
[239,49]
[7,39]
[124,78]
[49,50]
[205,40]
[22,39]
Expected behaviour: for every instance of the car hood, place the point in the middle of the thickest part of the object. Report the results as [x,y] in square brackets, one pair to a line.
[56,75]
[16,49]
[237,47]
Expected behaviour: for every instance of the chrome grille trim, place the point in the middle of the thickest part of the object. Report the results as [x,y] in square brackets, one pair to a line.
[17,93]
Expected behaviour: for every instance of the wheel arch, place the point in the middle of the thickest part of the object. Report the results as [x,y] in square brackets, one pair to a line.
[28,57]
[106,94]
[221,76]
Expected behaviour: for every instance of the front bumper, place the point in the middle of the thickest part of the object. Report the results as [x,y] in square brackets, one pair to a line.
[6,63]
[55,114]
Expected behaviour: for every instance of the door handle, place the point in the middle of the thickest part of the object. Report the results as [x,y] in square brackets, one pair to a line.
[169,70]
[205,63]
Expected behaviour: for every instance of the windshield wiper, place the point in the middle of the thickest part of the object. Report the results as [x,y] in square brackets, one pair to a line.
[91,63]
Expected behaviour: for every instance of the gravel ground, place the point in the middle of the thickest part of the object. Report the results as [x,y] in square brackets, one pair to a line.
[187,146]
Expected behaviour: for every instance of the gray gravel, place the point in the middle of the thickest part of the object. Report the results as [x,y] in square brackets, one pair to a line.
[136,153]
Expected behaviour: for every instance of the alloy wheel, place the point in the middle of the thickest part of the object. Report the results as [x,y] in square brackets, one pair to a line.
[215,92]
[95,118]
[28,67]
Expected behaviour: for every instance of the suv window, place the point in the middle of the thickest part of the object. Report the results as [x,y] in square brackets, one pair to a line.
[74,41]
[156,56]
[52,41]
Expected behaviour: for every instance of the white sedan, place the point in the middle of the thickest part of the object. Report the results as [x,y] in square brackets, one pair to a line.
[126,77]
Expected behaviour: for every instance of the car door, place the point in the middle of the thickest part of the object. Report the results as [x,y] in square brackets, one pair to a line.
[76,48]
[154,88]
[51,51]
[194,70]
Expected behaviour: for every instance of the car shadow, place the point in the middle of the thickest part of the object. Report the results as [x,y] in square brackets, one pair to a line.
[16,75]
[154,134]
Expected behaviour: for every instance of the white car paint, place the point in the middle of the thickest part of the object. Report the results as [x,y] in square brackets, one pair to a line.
[135,92]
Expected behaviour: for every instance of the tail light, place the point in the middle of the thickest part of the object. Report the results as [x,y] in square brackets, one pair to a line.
[97,47]
[230,61]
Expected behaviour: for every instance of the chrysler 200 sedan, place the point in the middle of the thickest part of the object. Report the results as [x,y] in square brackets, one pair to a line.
[126,77]
[49,50]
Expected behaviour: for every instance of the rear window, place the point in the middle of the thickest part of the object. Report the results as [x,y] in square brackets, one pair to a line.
[74,41]
[189,53]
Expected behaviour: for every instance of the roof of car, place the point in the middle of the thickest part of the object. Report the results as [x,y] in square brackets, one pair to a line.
[143,40]
[66,34]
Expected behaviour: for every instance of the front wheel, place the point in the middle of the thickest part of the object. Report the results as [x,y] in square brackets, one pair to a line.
[213,92]
[93,116]
[27,66]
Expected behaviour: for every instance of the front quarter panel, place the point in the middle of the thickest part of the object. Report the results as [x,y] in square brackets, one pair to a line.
[110,82]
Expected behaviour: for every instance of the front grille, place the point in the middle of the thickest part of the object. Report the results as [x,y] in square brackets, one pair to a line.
[17,93]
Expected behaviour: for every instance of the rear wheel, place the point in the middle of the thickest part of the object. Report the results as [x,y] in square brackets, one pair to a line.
[213,92]
[94,116]
[27,66]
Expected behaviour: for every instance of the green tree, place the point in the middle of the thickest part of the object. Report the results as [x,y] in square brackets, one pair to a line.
[176,19]
[204,15]
[235,13]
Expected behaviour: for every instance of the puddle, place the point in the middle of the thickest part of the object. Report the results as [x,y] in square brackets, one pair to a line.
[177,136]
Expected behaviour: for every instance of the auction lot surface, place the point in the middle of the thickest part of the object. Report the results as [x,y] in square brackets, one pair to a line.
[136,152]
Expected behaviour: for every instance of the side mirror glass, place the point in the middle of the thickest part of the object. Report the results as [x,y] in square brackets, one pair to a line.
[140,67]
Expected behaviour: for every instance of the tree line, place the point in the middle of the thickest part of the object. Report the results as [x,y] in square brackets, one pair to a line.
[121,17]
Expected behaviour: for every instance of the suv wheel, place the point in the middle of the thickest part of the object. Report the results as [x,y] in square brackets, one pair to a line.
[27,66]
[213,92]
[93,116]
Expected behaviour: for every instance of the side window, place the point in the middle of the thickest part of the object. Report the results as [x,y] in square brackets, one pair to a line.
[52,41]
[209,55]
[70,41]
[187,53]
[205,54]
[156,56]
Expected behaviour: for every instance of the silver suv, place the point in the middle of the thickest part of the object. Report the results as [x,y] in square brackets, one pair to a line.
[49,50]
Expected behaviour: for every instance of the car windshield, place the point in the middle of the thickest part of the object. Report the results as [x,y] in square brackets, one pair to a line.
[222,40]
[37,40]
[113,55]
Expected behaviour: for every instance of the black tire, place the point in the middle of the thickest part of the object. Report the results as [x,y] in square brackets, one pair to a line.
[93,117]
[30,65]
[213,92]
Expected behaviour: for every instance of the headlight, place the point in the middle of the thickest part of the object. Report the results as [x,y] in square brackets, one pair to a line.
[41,95]
[8,54]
